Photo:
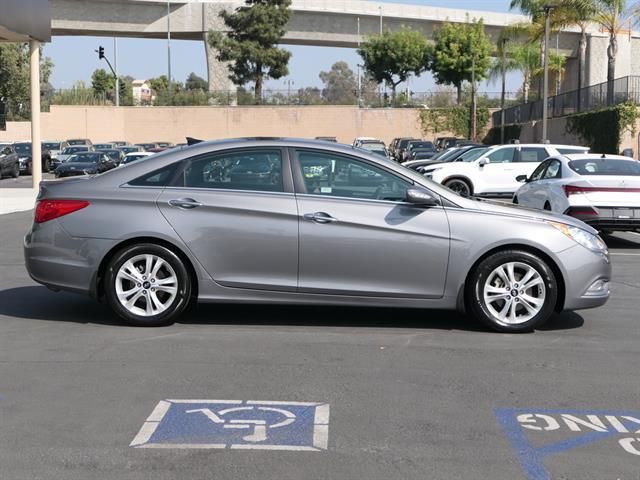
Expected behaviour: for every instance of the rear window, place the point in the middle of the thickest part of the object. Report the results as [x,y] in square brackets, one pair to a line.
[158,178]
[605,166]
[571,151]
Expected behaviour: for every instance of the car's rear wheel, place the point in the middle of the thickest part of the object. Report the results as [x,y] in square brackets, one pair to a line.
[459,186]
[147,285]
[512,291]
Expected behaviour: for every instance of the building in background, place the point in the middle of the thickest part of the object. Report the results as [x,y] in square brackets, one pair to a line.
[142,94]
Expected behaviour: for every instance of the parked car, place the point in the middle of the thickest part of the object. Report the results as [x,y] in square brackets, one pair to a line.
[119,143]
[68,152]
[328,139]
[374,146]
[358,140]
[134,156]
[79,141]
[147,146]
[54,147]
[9,163]
[104,146]
[414,145]
[321,240]
[601,190]
[23,149]
[114,154]
[401,146]
[164,145]
[130,149]
[494,172]
[85,163]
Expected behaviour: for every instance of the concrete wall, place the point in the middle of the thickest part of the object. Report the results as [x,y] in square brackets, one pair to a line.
[147,124]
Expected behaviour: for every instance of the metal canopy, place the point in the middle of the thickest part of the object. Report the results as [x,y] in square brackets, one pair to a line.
[23,20]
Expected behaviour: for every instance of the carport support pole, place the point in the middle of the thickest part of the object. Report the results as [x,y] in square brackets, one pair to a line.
[36,149]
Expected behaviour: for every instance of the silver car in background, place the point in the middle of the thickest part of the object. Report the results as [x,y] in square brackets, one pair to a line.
[305,222]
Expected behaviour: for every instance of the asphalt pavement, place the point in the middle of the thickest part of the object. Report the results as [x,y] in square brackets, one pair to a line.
[23,181]
[412,394]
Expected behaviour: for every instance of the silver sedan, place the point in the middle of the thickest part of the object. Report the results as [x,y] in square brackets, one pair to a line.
[305,222]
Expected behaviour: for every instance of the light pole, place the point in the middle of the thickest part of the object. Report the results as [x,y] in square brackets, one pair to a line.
[169,47]
[288,83]
[380,8]
[115,63]
[504,87]
[474,106]
[545,83]
[359,96]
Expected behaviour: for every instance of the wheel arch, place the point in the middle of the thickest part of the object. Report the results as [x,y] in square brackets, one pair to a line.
[98,287]
[553,265]
[458,176]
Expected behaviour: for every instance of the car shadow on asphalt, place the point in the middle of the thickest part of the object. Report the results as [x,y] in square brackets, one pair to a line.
[39,303]
[614,241]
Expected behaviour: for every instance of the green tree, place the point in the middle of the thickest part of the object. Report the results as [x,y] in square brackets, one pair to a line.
[459,50]
[251,44]
[340,84]
[159,84]
[126,90]
[102,83]
[194,82]
[14,78]
[393,56]
[310,96]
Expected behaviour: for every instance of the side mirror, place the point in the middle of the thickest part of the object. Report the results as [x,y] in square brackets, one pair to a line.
[421,198]
[522,179]
[483,161]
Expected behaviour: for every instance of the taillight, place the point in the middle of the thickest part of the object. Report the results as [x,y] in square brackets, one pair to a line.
[573,190]
[49,209]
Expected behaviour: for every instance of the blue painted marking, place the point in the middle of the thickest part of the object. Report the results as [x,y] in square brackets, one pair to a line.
[531,458]
[234,424]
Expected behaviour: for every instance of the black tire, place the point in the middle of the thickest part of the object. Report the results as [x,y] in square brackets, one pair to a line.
[481,274]
[459,186]
[177,306]
[16,171]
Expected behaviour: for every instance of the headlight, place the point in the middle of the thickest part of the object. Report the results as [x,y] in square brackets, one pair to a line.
[584,238]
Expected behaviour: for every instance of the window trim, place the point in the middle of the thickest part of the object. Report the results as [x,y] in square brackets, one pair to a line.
[301,188]
[558,173]
[287,180]
[544,170]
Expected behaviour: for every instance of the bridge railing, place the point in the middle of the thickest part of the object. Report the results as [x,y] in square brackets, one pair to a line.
[606,94]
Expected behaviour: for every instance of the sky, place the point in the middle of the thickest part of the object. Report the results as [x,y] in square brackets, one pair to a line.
[75,59]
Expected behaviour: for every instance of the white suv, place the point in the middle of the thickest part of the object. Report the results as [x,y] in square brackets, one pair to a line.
[494,172]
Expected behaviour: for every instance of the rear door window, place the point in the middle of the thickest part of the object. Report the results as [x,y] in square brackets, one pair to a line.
[533,154]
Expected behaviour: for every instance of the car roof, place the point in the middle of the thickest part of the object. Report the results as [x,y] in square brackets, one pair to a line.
[137,154]
[596,156]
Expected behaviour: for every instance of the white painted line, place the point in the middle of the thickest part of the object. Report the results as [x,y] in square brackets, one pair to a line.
[322,415]
[321,436]
[273,447]
[233,402]
[183,445]
[144,434]
[269,402]
[159,412]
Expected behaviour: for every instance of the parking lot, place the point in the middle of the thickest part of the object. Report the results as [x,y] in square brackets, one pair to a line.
[412,394]
[23,181]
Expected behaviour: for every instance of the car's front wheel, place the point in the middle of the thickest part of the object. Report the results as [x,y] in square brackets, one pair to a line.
[147,285]
[459,186]
[512,291]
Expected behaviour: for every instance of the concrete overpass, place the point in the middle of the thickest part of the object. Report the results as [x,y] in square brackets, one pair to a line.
[333,23]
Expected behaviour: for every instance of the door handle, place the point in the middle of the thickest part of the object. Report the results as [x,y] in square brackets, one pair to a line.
[185,203]
[319,217]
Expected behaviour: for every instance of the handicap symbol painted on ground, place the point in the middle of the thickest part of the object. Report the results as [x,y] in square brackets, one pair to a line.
[236,424]
[536,434]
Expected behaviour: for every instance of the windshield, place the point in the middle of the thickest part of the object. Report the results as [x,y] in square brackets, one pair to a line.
[421,145]
[605,166]
[22,148]
[372,146]
[70,150]
[77,142]
[85,157]
[113,154]
[51,146]
[133,158]
[472,154]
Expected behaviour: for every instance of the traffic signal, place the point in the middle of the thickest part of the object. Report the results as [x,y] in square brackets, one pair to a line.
[100,53]
[123,87]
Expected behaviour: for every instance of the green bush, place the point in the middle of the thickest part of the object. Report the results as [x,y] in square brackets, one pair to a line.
[511,132]
[602,130]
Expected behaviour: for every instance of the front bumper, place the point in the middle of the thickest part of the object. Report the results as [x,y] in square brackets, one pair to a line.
[584,270]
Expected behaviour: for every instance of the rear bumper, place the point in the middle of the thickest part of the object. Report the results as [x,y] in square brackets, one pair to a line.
[55,259]
[607,218]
